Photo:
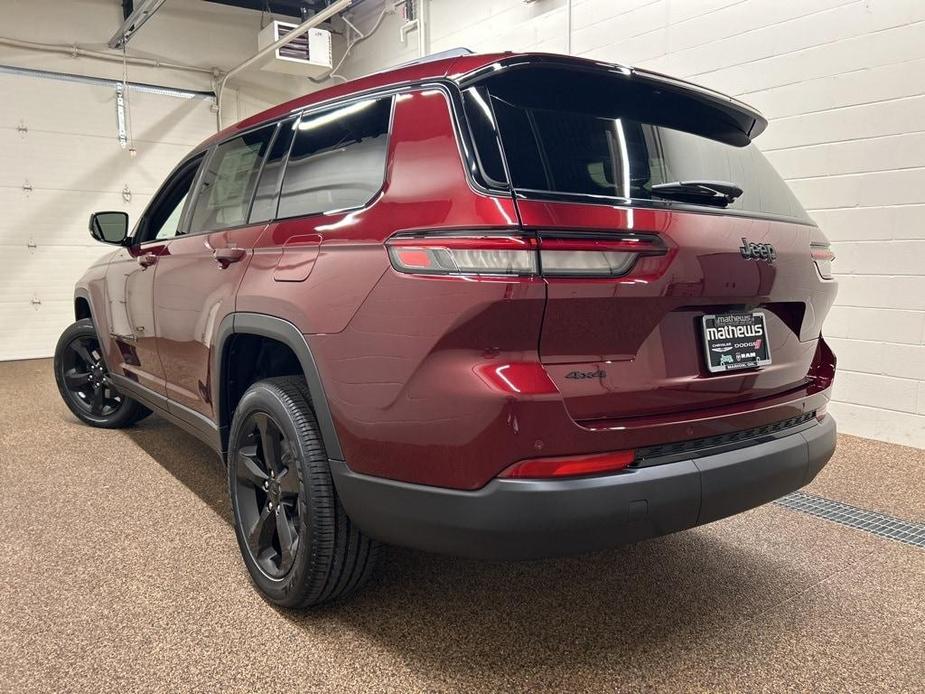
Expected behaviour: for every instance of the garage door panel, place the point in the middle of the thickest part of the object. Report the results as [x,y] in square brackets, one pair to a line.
[30,332]
[76,162]
[57,106]
[157,118]
[46,273]
[41,105]
[57,217]
[70,155]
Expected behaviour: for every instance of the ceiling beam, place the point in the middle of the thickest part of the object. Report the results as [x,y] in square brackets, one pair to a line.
[141,14]
[288,8]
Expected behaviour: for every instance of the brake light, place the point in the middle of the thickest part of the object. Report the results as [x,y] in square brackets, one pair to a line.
[550,254]
[822,256]
[572,466]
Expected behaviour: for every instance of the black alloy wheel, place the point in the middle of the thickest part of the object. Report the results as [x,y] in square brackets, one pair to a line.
[299,545]
[86,378]
[267,486]
[84,383]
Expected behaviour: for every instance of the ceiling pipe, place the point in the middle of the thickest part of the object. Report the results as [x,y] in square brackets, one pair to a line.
[423,29]
[310,23]
[568,27]
[76,51]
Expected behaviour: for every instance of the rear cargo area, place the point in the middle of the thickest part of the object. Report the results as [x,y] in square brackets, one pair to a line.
[599,161]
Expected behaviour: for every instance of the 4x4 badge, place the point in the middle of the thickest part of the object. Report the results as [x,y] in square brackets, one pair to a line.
[757,251]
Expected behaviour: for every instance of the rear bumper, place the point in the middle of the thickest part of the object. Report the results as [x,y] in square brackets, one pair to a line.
[523,519]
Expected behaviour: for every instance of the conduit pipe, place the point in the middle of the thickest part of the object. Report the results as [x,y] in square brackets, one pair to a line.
[568,27]
[76,51]
[422,28]
[310,23]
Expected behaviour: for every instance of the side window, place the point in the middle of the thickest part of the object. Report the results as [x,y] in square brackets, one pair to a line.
[484,134]
[227,184]
[337,159]
[264,207]
[528,170]
[162,220]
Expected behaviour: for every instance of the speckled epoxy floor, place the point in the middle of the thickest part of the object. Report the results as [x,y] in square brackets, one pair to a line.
[119,572]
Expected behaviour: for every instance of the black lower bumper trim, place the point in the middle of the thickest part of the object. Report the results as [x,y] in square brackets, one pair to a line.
[522,519]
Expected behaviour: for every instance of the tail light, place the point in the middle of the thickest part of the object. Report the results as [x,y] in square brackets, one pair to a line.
[464,254]
[572,466]
[550,254]
[589,256]
[822,256]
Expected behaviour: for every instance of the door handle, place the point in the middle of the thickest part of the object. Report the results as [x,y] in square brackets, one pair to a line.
[147,260]
[226,256]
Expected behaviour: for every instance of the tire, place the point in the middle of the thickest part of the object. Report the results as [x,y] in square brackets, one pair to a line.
[282,496]
[83,381]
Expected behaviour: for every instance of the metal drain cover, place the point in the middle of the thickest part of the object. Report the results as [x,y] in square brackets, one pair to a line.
[870,521]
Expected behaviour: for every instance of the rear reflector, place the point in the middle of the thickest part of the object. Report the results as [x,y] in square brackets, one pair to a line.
[573,466]
[822,256]
[524,378]
[551,254]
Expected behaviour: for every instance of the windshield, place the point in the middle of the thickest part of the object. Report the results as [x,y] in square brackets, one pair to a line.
[610,147]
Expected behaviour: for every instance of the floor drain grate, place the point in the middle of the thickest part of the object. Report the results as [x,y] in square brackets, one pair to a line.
[854,517]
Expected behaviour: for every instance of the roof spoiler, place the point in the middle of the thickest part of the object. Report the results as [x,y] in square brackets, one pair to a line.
[747,120]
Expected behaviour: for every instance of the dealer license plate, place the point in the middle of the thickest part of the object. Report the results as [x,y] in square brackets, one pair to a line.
[734,341]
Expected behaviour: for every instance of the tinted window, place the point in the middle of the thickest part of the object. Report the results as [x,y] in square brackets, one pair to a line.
[484,133]
[163,217]
[594,138]
[267,194]
[227,184]
[523,152]
[171,225]
[337,159]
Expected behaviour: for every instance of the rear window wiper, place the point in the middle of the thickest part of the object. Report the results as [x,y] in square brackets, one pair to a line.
[719,193]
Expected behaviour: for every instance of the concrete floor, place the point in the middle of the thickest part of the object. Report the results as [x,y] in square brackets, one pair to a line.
[119,572]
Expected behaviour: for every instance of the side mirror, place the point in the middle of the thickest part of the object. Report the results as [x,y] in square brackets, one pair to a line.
[109,227]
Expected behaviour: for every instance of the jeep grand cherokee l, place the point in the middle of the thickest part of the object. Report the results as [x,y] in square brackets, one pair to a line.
[502,306]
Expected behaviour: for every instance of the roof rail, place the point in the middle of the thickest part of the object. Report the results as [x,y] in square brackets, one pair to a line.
[450,53]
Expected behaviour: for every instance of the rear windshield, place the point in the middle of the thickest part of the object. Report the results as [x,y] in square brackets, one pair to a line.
[597,144]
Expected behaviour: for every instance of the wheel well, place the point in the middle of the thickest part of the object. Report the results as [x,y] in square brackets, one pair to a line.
[247,359]
[81,308]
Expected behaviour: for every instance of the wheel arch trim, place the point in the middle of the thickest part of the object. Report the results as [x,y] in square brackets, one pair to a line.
[81,293]
[264,325]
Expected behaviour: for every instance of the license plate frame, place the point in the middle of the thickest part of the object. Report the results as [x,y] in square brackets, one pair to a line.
[744,345]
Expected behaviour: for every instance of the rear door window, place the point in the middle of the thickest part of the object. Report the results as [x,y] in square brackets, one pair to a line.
[267,193]
[337,160]
[227,184]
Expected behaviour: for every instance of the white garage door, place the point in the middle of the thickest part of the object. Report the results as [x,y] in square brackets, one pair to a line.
[60,159]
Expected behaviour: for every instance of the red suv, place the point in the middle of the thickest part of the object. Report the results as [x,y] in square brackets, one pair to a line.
[503,306]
